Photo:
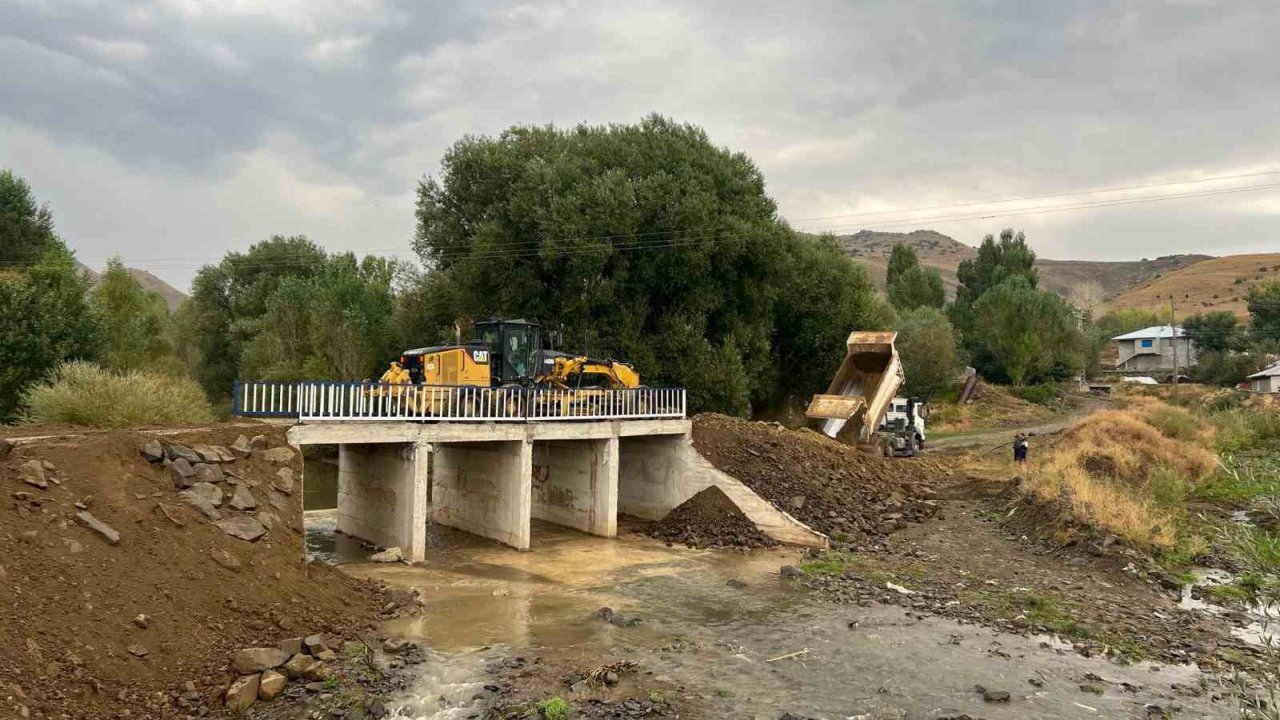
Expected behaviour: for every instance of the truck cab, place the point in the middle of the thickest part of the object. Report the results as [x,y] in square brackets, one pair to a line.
[903,427]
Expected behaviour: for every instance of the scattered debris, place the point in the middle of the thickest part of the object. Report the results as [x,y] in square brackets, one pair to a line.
[390,555]
[106,531]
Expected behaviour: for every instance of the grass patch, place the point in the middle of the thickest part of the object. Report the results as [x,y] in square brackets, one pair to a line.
[1046,394]
[1228,594]
[657,698]
[1255,549]
[1174,422]
[81,393]
[553,709]
[831,563]
[1241,481]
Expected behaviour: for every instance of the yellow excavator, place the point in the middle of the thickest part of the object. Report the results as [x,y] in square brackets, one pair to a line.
[504,354]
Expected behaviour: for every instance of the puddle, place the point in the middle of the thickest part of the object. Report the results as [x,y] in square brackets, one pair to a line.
[1265,620]
[751,652]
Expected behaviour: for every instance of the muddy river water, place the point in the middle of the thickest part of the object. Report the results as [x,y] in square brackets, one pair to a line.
[722,642]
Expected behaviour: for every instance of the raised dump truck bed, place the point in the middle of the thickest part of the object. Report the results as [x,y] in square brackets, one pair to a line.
[863,387]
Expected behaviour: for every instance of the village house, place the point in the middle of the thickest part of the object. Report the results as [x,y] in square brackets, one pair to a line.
[1152,349]
[1267,381]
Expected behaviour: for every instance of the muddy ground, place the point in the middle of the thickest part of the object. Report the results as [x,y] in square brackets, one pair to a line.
[143,618]
[975,562]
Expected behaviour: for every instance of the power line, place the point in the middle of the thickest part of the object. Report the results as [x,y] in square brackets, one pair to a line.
[638,241]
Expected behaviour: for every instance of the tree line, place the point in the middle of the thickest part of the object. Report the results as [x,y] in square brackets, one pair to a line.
[646,243]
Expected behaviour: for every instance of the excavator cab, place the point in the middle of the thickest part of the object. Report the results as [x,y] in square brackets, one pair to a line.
[515,350]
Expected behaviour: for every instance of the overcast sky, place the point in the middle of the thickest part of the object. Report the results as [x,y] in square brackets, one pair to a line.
[169,132]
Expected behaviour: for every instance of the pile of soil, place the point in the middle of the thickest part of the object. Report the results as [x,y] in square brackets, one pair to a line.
[834,488]
[709,520]
[96,536]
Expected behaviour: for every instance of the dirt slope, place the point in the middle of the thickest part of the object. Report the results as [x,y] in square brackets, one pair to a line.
[1216,284]
[1061,276]
[850,495]
[69,598]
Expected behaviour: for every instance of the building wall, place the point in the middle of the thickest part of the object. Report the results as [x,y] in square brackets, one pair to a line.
[1131,356]
[1265,385]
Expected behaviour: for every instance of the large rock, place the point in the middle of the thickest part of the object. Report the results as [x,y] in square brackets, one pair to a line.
[271,685]
[242,499]
[200,503]
[241,446]
[6,446]
[279,455]
[283,481]
[209,492]
[257,659]
[243,527]
[315,643]
[176,451]
[152,450]
[207,453]
[208,472]
[182,473]
[242,693]
[299,665]
[85,518]
[390,555]
[259,442]
[33,474]
[291,646]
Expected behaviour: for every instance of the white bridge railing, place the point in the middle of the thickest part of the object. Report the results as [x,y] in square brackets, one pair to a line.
[380,401]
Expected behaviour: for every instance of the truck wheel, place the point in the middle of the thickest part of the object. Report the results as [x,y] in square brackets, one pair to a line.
[913,446]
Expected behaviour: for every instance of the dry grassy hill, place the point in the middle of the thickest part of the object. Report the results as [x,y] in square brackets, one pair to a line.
[173,297]
[945,254]
[1214,284]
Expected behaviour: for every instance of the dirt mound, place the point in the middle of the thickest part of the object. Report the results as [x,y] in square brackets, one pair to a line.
[97,536]
[709,520]
[833,488]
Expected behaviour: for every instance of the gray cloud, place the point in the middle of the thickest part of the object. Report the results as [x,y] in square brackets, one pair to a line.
[171,131]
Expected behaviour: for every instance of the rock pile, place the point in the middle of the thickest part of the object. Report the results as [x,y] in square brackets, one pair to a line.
[833,488]
[199,471]
[264,672]
[709,520]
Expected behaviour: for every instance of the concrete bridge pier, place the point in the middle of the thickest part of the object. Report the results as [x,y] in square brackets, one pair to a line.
[484,488]
[575,484]
[382,494]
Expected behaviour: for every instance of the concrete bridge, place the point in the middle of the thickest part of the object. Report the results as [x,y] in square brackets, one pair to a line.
[489,461]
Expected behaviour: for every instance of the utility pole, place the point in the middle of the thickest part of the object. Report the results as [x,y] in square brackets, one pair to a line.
[1173,331]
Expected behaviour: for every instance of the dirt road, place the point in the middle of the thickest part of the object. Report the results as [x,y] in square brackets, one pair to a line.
[989,438]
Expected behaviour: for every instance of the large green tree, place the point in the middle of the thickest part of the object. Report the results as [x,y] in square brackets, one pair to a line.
[909,285]
[228,301]
[927,346]
[1212,331]
[337,324]
[646,242]
[45,317]
[1026,335]
[26,228]
[1263,301]
[134,322]
[995,262]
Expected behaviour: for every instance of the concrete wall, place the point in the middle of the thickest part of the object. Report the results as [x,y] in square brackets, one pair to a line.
[484,488]
[382,495]
[575,483]
[656,474]
[1131,356]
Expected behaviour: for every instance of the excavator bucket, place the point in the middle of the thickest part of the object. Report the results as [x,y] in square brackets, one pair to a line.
[863,388]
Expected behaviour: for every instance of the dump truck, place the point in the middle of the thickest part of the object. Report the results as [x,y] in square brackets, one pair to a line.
[863,388]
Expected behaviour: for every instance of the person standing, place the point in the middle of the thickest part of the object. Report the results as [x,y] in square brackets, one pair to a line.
[1020,446]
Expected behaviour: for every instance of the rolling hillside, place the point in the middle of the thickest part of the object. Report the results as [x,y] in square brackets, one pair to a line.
[1061,276]
[172,296]
[1214,284]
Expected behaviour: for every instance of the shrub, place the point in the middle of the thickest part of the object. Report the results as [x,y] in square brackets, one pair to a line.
[1042,394]
[81,393]
[1174,422]
[553,709]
